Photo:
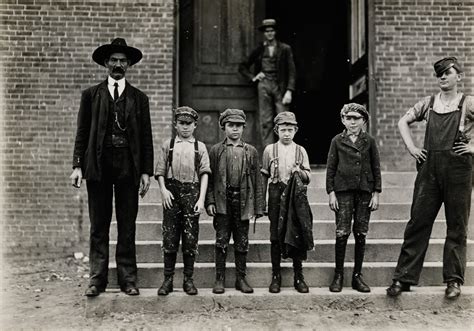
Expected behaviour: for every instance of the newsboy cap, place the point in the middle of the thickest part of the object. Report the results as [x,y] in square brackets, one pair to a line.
[285,117]
[267,23]
[233,116]
[185,113]
[446,63]
[357,108]
[118,45]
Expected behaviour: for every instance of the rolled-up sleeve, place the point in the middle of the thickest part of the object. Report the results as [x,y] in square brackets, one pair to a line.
[161,164]
[266,161]
[419,111]
[204,165]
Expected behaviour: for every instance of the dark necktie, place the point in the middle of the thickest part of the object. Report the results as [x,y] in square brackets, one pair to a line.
[116,96]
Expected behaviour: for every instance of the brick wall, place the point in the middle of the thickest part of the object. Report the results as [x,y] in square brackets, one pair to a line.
[46,52]
[410,36]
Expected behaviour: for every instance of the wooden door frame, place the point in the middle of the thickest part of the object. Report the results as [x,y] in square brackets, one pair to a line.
[372,97]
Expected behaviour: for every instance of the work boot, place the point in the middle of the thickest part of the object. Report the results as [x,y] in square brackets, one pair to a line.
[453,290]
[275,284]
[167,286]
[220,256]
[338,280]
[299,283]
[188,285]
[359,284]
[240,273]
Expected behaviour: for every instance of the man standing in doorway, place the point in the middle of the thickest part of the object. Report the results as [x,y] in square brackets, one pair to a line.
[444,176]
[113,151]
[274,73]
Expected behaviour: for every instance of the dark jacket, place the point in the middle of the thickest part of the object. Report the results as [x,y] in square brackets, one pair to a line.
[286,71]
[91,127]
[353,166]
[296,220]
[251,187]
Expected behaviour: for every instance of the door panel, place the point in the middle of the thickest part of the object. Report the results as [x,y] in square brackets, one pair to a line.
[214,37]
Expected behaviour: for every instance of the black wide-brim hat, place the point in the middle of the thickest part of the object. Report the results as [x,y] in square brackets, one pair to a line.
[118,45]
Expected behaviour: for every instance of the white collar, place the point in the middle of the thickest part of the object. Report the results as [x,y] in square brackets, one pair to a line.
[190,140]
[111,82]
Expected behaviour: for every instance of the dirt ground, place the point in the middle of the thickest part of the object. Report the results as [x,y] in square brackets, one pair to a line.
[48,295]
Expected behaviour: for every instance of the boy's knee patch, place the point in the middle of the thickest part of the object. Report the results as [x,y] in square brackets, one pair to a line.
[342,234]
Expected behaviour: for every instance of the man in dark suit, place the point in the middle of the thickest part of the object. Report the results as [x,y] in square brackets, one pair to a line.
[113,151]
[274,71]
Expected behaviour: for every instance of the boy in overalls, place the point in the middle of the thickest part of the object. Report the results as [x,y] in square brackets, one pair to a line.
[279,161]
[444,176]
[182,171]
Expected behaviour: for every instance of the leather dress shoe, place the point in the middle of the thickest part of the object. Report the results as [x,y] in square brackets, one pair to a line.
[397,288]
[453,290]
[131,289]
[93,291]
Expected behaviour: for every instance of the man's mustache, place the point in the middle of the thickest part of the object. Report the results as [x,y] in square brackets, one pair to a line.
[118,70]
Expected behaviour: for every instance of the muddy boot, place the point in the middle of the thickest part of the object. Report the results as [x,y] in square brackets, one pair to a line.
[359,250]
[276,268]
[220,256]
[169,262]
[338,280]
[188,283]
[299,283]
[240,273]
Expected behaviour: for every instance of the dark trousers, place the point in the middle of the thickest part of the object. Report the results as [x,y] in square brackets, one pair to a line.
[231,224]
[352,205]
[100,196]
[444,177]
[269,105]
[180,221]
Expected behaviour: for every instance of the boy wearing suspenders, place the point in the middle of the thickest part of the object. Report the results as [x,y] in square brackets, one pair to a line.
[444,176]
[182,172]
[279,161]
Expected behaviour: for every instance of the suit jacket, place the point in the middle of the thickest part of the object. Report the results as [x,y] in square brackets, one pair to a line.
[251,187]
[353,166]
[286,72]
[91,127]
[295,224]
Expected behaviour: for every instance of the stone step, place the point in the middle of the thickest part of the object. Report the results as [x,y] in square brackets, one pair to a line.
[387,211]
[317,274]
[377,250]
[378,229]
[316,194]
[318,299]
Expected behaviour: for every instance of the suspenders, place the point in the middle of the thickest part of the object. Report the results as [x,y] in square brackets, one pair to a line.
[298,160]
[196,157]
[460,108]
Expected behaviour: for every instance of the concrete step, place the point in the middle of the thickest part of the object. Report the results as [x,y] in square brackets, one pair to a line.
[318,299]
[387,211]
[317,274]
[316,194]
[322,229]
[377,250]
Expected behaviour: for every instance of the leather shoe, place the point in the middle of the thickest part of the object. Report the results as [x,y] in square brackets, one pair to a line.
[93,291]
[167,286]
[188,286]
[242,285]
[397,288]
[275,284]
[300,285]
[131,289]
[359,284]
[219,285]
[336,285]
[453,290]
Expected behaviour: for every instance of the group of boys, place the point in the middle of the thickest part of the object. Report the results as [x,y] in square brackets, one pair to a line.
[113,151]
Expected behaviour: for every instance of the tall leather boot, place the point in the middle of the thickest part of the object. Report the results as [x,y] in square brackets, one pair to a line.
[220,256]
[337,282]
[359,250]
[299,283]
[276,268]
[188,283]
[170,262]
[240,273]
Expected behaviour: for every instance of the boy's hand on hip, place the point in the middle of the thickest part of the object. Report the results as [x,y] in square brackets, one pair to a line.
[463,148]
[333,204]
[418,153]
[167,198]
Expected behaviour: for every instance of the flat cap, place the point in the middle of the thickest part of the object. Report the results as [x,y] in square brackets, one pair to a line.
[446,63]
[355,108]
[232,115]
[285,117]
[267,23]
[185,113]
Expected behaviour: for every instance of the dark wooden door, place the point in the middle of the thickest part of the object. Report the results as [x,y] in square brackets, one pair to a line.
[214,37]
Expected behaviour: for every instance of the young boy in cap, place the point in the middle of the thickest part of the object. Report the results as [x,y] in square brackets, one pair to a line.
[234,196]
[182,171]
[444,176]
[353,182]
[280,160]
